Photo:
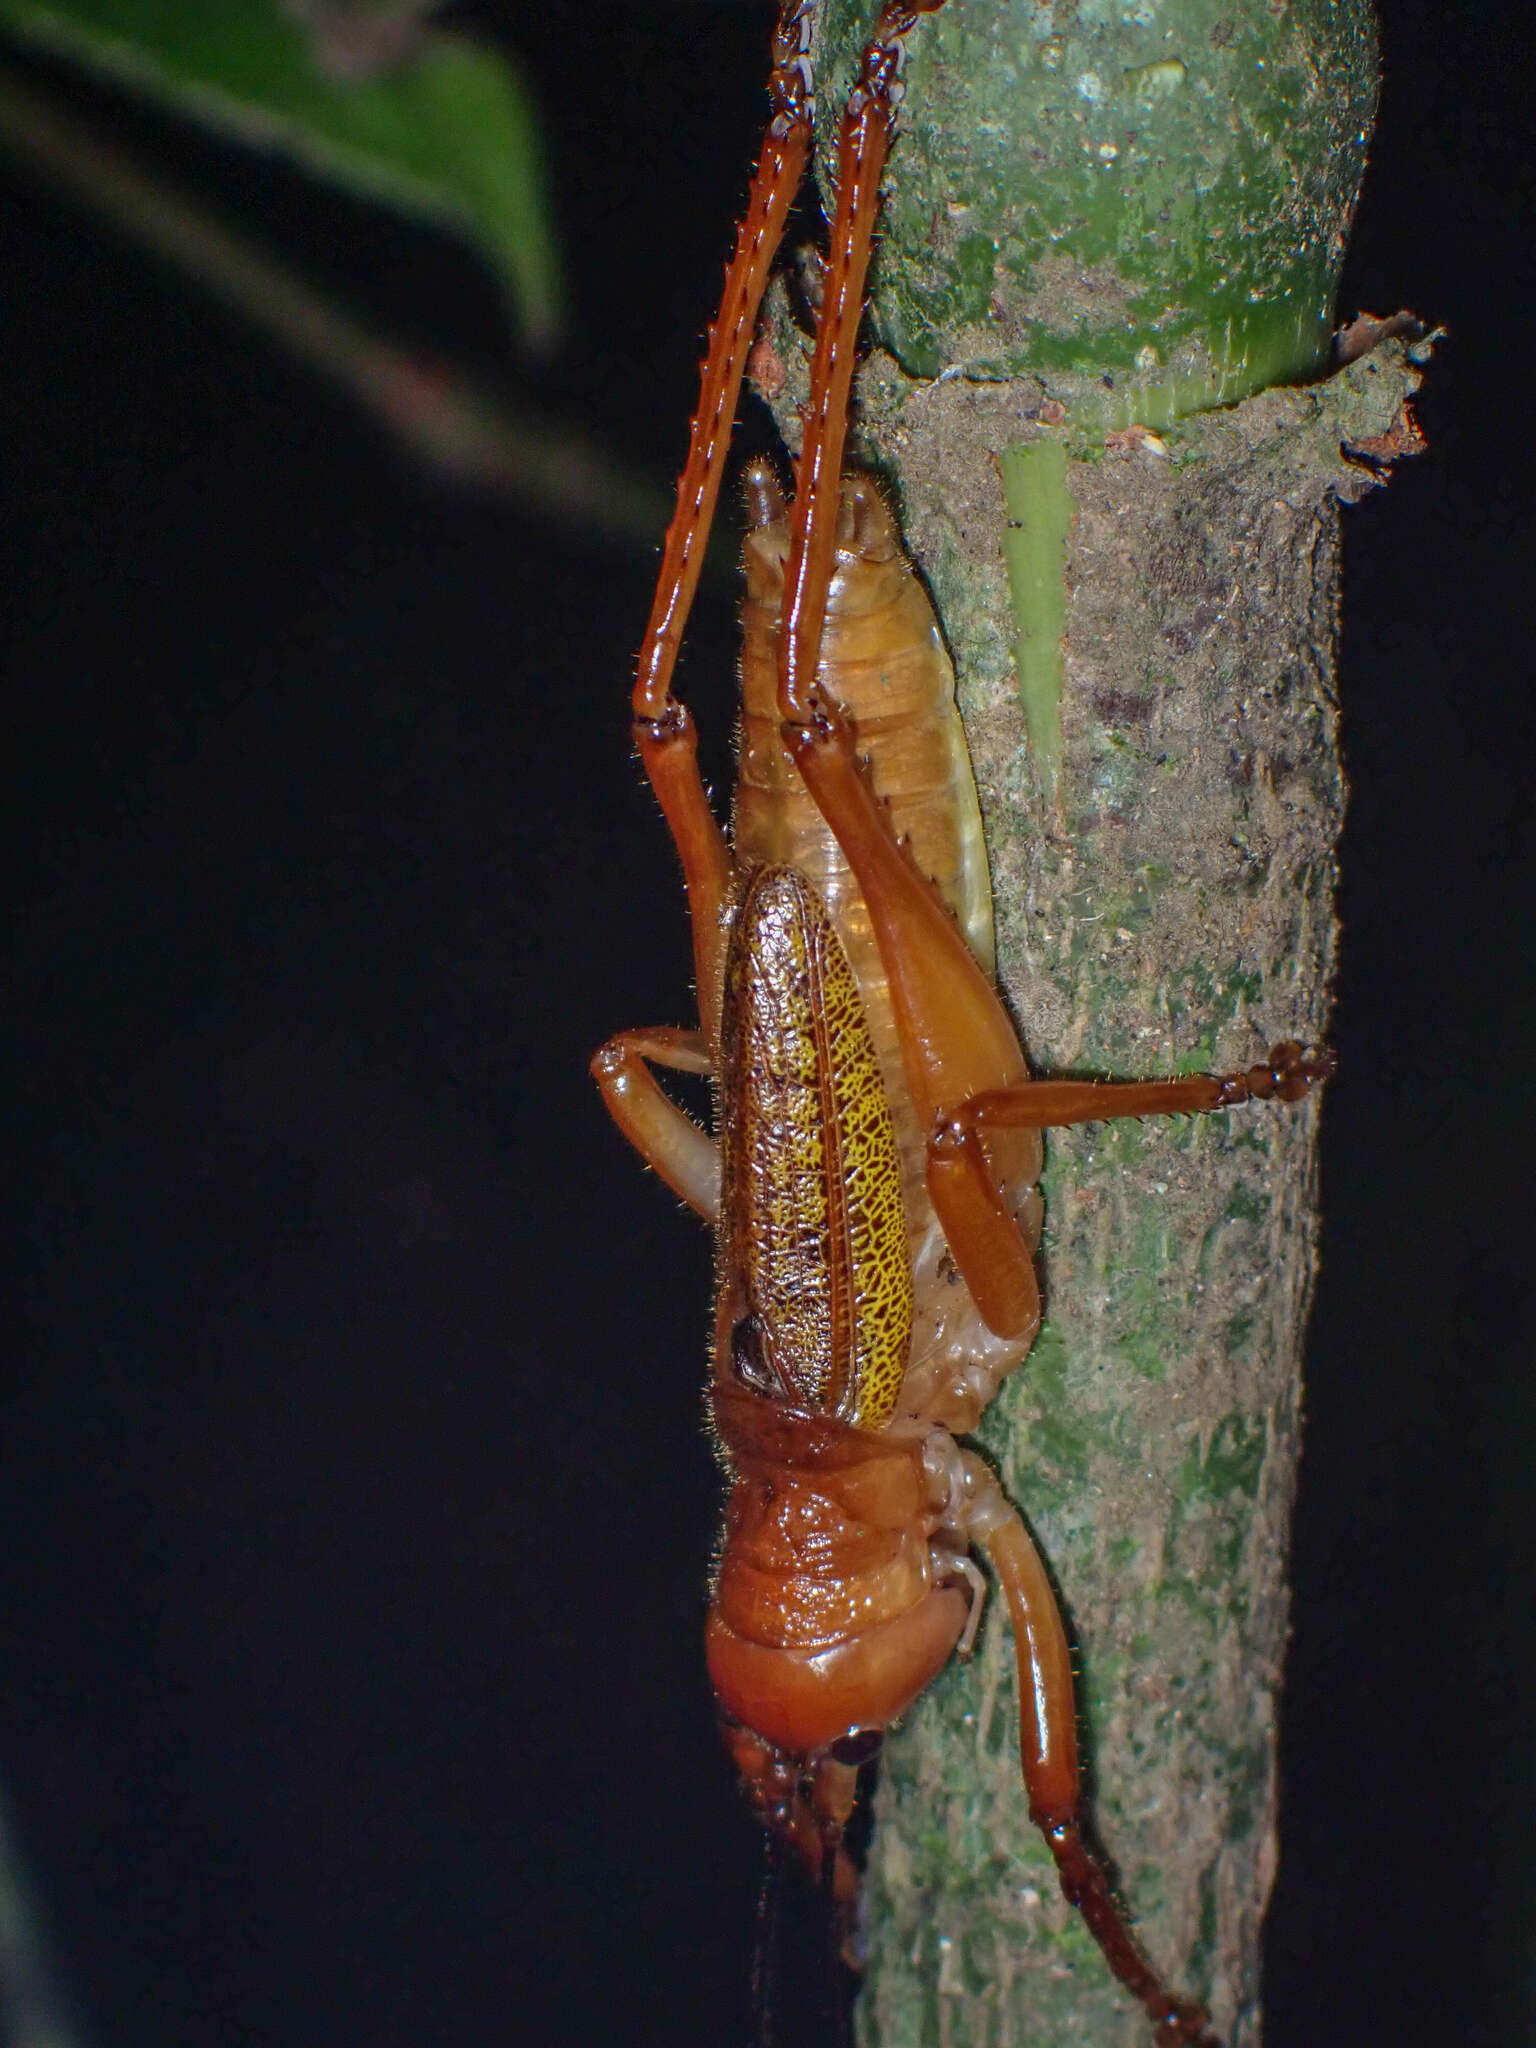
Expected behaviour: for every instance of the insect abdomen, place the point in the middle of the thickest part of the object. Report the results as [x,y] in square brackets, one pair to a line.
[883,660]
[828,1612]
[884,663]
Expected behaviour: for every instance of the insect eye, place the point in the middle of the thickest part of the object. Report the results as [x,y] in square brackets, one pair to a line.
[749,1356]
[857,1748]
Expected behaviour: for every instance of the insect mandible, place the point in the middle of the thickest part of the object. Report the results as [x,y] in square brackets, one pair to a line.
[872,1176]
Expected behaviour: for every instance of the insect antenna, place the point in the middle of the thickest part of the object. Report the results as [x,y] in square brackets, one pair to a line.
[766,1928]
[802,1981]
[836,1975]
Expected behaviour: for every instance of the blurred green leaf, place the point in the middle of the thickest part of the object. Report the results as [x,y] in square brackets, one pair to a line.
[448,132]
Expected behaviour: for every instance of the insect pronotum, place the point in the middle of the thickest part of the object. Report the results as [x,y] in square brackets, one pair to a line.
[872,1176]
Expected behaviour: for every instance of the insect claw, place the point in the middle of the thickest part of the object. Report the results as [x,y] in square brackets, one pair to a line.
[1184,2026]
[1319,1063]
[1294,1070]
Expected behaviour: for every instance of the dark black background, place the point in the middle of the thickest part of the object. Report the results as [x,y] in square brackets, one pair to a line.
[354,1506]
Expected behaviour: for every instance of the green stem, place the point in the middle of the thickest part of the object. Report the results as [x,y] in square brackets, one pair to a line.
[1039,508]
[1142,206]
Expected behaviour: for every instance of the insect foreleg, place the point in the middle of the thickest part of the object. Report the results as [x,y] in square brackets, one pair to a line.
[669,751]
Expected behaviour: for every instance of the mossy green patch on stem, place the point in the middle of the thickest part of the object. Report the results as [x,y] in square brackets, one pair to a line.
[1230,1463]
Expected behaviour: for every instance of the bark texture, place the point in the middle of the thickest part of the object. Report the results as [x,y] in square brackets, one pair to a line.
[1170,910]
[1161,835]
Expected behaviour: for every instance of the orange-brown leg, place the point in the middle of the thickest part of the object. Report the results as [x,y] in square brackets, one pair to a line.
[1048,1749]
[669,752]
[957,1043]
[864,141]
[666,1137]
[664,731]
[1288,1075]
[962,1061]
[958,1046]
[1000,1273]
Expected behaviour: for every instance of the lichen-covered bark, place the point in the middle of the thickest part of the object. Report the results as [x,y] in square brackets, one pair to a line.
[1161,840]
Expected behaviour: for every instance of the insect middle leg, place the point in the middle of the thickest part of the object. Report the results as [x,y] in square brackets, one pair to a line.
[958,1159]
[666,1137]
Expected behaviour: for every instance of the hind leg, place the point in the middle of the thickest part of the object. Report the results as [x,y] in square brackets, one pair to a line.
[664,731]
[1048,1749]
